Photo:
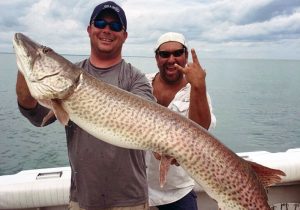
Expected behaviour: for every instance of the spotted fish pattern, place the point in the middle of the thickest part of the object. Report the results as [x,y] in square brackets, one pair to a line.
[126,120]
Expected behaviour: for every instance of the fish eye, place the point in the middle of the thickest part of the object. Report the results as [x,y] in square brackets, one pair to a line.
[46,50]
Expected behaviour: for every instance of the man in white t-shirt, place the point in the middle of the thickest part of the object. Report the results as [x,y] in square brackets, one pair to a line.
[181,87]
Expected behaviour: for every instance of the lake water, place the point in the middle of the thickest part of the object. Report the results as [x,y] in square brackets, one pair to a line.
[256,102]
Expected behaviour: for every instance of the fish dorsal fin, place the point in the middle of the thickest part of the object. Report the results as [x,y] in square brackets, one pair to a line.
[61,115]
[267,176]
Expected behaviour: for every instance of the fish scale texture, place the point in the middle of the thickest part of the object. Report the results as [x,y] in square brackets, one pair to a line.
[123,119]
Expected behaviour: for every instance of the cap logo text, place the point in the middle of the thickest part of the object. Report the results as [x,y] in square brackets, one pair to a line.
[112,7]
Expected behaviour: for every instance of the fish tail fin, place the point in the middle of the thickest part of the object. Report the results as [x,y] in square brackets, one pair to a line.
[267,176]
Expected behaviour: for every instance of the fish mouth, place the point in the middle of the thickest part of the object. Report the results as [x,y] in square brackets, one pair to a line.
[28,46]
[17,38]
[16,43]
[27,53]
[19,51]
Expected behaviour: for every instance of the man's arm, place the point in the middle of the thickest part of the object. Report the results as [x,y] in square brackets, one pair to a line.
[199,110]
[23,94]
[141,86]
[28,106]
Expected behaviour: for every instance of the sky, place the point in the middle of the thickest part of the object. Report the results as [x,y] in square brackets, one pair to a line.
[261,29]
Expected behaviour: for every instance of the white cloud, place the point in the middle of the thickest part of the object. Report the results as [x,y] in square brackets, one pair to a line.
[276,28]
[217,28]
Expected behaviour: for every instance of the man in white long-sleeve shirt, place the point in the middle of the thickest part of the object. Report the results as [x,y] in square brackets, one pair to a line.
[181,87]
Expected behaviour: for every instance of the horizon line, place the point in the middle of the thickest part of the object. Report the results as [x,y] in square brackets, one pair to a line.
[145,56]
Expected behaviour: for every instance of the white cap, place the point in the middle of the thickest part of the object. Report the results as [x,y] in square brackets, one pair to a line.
[170,37]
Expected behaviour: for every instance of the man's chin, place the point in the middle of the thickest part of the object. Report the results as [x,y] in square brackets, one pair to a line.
[172,78]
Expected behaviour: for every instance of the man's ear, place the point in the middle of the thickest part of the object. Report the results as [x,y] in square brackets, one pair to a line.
[88,29]
[125,34]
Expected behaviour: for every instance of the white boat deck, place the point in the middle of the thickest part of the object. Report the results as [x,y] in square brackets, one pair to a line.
[48,189]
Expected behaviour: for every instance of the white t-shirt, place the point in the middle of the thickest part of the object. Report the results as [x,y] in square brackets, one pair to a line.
[178,182]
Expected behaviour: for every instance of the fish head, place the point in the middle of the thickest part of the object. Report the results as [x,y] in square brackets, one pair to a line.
[47,74]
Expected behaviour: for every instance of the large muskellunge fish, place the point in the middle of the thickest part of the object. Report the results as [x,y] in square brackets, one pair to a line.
[126,120]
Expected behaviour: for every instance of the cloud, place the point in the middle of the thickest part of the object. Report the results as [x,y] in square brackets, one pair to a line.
[269,10]
[279,27]
[236,28]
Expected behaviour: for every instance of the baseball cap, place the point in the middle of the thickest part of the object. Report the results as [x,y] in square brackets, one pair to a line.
[112,6]
[170,37]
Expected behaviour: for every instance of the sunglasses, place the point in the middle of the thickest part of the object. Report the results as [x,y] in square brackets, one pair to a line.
[114,26]
[167,54]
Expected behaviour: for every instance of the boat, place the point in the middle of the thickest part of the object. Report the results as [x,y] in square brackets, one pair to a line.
[48,189]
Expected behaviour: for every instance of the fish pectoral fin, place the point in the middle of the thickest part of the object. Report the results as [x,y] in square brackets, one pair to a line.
[165,162]
[48,104]
[59,112]
[47,117]
[267,176]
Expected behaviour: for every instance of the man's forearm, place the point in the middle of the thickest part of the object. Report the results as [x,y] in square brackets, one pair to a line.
[199,110]
[23,94]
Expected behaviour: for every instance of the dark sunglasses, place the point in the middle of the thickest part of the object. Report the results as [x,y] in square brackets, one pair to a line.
[167,54]
[114,26]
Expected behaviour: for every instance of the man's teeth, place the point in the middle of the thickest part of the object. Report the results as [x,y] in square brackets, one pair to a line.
[106,40]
